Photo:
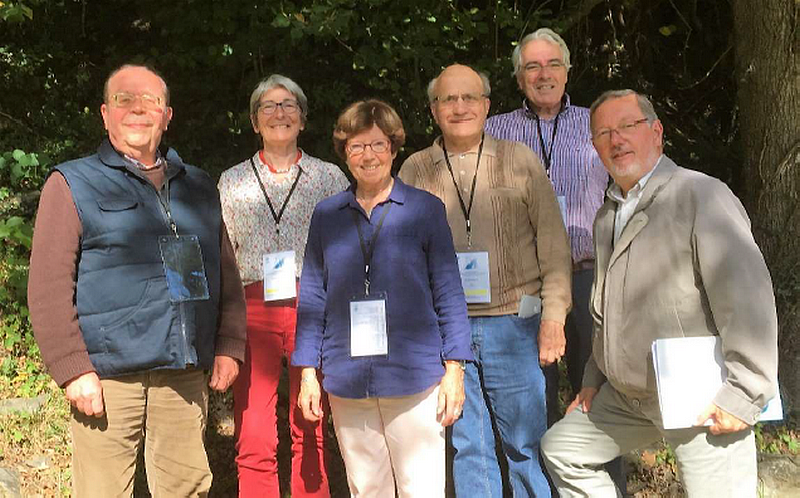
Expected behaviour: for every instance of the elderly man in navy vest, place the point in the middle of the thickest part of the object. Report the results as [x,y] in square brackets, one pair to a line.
[135,299]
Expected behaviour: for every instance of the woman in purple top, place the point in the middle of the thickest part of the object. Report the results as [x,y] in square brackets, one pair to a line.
[382,313]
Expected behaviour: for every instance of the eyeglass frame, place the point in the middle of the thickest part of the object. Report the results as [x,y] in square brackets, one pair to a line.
[624,130]
[552,65]
[262,107]
[452,100]
[351,152]
[148,100]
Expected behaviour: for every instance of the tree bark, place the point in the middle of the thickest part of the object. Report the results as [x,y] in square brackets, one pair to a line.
[768,73]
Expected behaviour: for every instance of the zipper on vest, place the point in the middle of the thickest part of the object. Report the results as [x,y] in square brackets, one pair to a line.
[186,359]
[164,204]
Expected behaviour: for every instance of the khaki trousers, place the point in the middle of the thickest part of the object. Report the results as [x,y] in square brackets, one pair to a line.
[391,440]
[164,409]
[575,449]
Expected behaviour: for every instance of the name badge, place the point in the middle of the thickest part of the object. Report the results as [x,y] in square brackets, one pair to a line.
[368,325]
[279,276]
[562,206]
[473,267]
[183,268]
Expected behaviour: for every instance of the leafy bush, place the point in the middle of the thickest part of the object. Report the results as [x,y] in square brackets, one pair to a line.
[21,369]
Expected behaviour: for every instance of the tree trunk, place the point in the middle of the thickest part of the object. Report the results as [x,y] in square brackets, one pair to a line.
[768,74]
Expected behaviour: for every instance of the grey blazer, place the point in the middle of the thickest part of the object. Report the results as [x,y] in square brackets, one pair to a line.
[686,264]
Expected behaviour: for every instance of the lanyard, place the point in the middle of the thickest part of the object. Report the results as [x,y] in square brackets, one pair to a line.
[547,155]
[276,216]
[164,200]
[368,252]
[464,208]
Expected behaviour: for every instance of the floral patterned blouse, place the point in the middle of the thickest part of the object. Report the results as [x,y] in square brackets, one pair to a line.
[250,222]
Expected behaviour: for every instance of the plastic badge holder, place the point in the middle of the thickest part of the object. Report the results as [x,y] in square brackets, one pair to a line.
[183,268]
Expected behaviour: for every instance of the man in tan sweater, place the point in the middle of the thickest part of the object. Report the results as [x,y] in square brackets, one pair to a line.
[514,258]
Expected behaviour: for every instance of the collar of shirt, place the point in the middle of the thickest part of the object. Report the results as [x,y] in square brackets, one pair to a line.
[268,175]
[530,113]
[489,148]
[627,205]
[142,166]
[615,192]
[397,195]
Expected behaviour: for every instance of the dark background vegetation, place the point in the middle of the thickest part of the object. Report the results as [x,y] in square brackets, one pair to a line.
[213,53]
[724,76]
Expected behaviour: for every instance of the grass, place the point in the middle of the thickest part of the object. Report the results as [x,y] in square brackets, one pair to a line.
[45,433]
[651,472]
[25,437]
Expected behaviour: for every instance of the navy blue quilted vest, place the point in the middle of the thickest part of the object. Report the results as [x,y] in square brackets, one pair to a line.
[126,317]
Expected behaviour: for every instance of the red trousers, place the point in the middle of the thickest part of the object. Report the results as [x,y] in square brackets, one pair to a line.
[270,338]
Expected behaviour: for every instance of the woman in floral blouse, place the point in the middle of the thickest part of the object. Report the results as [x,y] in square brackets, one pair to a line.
[267,202]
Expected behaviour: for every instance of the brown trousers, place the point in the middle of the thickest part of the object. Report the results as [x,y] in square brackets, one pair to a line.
[165,410]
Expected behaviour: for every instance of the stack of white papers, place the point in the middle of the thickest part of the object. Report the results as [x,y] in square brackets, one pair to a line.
[689,373]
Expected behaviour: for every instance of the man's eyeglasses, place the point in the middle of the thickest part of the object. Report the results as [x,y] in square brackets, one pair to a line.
[378,147]
[469,99]
[269,107]
[624,130]
[535,67]
[125,100]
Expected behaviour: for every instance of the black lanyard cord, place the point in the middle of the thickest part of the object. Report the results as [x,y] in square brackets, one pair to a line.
[276,215]
[367,252]
[464,208]
[547,155]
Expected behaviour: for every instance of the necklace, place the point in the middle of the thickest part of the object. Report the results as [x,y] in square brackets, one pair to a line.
[274,170]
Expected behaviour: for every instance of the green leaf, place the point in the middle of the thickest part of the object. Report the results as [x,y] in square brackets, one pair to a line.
[281,21]
[14,221]
[17,172]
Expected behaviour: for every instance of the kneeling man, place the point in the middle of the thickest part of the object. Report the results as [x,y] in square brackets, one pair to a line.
[675,258]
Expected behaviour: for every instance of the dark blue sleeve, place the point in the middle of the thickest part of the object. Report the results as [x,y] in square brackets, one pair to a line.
[312,298]
[448,294]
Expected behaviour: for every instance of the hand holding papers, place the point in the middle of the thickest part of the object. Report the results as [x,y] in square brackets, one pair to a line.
[689,373]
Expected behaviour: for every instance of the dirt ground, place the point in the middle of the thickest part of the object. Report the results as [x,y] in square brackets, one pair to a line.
[38,447]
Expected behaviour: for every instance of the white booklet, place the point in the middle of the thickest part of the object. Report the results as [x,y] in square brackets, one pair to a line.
[689,373]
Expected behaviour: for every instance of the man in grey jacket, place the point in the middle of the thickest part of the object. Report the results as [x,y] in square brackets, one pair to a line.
[675,258]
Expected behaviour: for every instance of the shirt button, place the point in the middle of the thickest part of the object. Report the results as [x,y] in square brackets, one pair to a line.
[462,156]
[466,189]
[463,172]
[636,403]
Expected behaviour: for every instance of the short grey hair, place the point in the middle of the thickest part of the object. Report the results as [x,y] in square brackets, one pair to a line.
[276,81]
[644,103]
[546,34]
[487,86]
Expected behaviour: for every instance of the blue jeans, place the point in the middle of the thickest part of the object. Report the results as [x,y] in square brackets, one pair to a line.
[505,388]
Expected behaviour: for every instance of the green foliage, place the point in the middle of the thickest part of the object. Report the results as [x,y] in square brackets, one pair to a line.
[666,456]
[21,173]
[777,439]
[15,12]
[44,432]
